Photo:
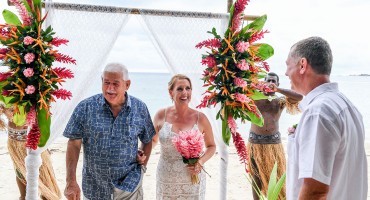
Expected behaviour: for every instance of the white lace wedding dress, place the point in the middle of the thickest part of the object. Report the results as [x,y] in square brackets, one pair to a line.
[173,178]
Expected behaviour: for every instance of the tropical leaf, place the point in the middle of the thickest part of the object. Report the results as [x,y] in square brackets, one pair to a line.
[265,51]
[272,181]
[226,133]
[11,18]
[256,25]
[44,121]
[259,121]
[258,96]
[19,118]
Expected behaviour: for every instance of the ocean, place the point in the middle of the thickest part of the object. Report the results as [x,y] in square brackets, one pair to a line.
[152,89]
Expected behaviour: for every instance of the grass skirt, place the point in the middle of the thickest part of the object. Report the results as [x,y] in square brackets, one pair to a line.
[262,158]
[47,183]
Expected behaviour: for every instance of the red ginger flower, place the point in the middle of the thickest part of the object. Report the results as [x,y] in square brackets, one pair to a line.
[63,72]
[33,137]
[26,18]
[210,43]
[209,61]
[240,147]
[64,58]
[258,36]
[238,10]
[62,94]
[59,41]
[4,76]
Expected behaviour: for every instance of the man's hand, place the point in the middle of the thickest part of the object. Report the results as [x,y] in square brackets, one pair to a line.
[72,191]
[140,158]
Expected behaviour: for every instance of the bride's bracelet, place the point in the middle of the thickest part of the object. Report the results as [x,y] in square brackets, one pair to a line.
[17,134]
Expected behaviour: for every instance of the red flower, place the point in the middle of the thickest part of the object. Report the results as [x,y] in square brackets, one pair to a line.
[210,43]
[4,76]
[62,72]
[209,61]
[240,147]
[238,10]
[59,41]
[64,58]
[62,94]
[33,137]
[5,93]
[258,36]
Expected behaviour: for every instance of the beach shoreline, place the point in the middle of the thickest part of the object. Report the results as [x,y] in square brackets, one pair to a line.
[237,182]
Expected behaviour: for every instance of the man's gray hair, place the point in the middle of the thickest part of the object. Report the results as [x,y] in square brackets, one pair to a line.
[117,67]
[317,53]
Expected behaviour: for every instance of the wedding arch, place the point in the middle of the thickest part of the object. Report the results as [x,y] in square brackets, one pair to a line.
[92,31]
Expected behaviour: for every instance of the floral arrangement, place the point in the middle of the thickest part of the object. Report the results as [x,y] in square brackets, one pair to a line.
[190,145]
[31,82]
[292,129]
[234,64]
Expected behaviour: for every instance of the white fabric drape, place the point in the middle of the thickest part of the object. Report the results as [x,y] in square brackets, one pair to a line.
[91,34]
[175,38]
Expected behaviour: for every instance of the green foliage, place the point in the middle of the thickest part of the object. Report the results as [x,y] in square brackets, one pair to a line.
[265,51]
[274,187]
[256,25]
[11,18]
[44,121]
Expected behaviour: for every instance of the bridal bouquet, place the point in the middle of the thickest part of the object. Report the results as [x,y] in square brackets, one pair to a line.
[31,81]
[234,63]
[190,145]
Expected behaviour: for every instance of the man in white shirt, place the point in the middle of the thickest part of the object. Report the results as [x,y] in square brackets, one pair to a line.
[326,154]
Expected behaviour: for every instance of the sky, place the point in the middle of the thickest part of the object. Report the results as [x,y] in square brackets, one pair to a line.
[341,22]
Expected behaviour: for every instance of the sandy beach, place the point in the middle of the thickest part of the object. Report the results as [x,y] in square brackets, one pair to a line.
[237,183]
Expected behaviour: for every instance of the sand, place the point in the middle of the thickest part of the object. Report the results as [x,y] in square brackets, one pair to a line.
[238,186]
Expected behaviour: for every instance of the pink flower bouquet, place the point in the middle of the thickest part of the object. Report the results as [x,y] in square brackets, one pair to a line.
[190,145]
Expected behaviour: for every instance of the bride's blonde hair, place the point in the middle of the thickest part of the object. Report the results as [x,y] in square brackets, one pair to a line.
[178,77]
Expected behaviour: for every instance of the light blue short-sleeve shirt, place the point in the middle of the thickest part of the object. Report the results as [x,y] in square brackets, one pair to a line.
[110,144]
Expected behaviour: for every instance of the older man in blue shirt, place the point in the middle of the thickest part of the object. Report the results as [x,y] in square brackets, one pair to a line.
[109,126]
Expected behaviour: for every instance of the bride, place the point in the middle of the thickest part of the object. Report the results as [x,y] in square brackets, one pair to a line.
[173,176]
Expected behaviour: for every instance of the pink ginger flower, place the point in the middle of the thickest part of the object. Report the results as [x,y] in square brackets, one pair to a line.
[28,72]
[189,143]
[240,148]
[238,11]
[242,46]
[26,18]
[28,40]
[209,61]
[232,124]
[31,117]
[242,98]
[210,43]
[29,57]
[240,82]
[257,36]
[243,65]
[30,89]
